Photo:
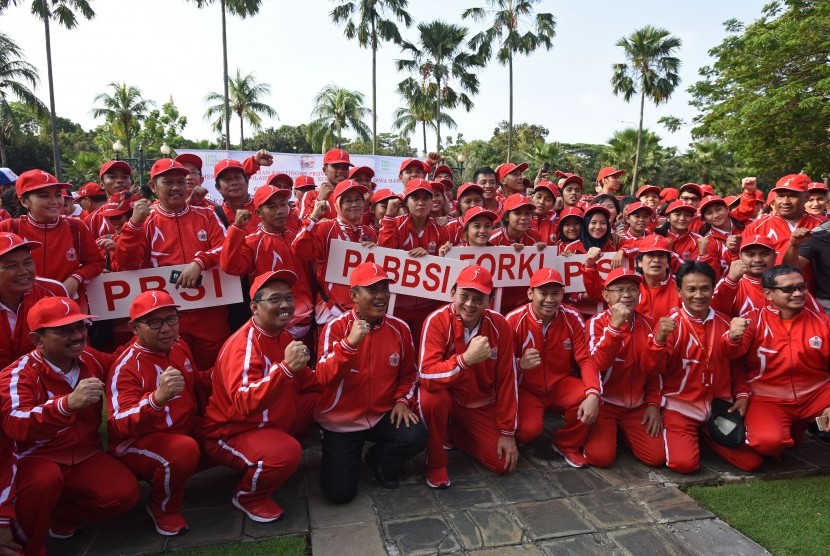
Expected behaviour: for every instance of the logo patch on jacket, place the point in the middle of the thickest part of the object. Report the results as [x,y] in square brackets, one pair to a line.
[494,353]
[431,247]
[815,342]
[394,359]
[201,235]
[71,255]
[567,343]
[187,366]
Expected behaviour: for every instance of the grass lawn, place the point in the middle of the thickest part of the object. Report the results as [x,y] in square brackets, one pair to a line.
[283,546]
[785,516]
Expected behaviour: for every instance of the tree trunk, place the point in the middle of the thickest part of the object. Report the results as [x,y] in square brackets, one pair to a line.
[4,162]
[438,116]
[424,124]
[374,89]
[53,119]
[241,130]
[510,120]
[225,80]
[639,141]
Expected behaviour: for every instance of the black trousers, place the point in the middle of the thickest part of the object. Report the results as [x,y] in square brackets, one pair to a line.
[341,455]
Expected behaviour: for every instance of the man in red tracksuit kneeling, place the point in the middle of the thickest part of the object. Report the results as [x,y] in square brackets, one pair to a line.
[620,348]
[468,380]
[262,399]
[368,373]
[549,341]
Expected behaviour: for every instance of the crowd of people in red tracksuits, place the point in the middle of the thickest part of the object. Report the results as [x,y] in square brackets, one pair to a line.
[710,329]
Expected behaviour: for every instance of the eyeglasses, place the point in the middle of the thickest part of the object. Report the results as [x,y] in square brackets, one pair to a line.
[475,299]
[67,330]
[156,324]
[790,289]
[623,291]
[276,299]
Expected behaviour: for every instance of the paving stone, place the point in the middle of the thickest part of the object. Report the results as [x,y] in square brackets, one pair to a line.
[312,481]
[626,472]
[653,540]
[551,518]
[486,527]
[703,476]
[523,486]
[668,503]
[581,545]
[211,491]
[124,537]
[611,509]
[211,526]
[516,550]
[813,452]
[294,521]
[713,536]
[786,466]
[325,514]
[421,535]
[312,456]
[363,539]
[541,454]
[461,497]
[577,481]
[405,501]
[74,546]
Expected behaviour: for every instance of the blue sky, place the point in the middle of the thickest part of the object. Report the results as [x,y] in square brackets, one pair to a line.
[171,48]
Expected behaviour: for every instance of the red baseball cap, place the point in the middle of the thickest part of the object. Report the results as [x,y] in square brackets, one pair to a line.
[731,200]
[477,211]
[607,172]
[189,158]
[549,185]
[443,168]
[770,197]
[758,240]
[32,180]
[337,156]
[637,205]
[759,196]
[622,273]
[119,203]
[438,185]
[693,187]
[654,243]
[508,168]
[382,195]
[817,186]
[793,182]
[273,179]
[361,170]
[515,202]
[303,182]
[346,185]
[415,185]
[707,189]
[367,274]
[410,161]
[265,192]
[571,211]
[149,301]
[570,178]
[50,312]
[467,188]
[260,281]
[647,189]
[712,200]
[225,165]
[10,242]
[545,276]
[669,194]
[90,189]
[114,165]
[680,205]
[167,166]
[475,277]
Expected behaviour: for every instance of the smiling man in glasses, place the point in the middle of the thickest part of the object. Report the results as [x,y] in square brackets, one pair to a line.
[787,347]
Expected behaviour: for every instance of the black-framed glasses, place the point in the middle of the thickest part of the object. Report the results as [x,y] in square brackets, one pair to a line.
[156,324]
[790,289]
[276,299]
[67,330]
[623,291]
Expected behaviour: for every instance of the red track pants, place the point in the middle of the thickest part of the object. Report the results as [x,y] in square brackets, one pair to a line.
[564,397]
[769,424]
[682,436]
[204,330]
[601,445]
[96,489]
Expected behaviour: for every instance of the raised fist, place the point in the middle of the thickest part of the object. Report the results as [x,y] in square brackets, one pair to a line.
[665,328]
[478,350]
[620,314]
[737,328]
[141,210]
[88,391]
[749,185]
[171,384]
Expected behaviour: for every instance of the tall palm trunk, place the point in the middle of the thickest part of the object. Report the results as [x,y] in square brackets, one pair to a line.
[241,130]
[424,124]
[3,159]
[639,142]
[56,154]
[438,115]
[510,129]
[374,89]
[225,80]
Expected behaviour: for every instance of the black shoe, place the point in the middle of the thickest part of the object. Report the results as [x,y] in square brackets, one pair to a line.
[380,475]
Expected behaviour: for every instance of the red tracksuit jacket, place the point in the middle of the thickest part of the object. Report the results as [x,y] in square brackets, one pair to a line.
[561,344]
[252,387]
[781,364]
[658,302]
[684,247]
[168,238]
[98,225]
[779,230]
[493,381]
[35,412]
[698,365]
[361,384]
[622,355]
[132,409]
[735,299]
[68,248]
[455,231]
[547,227]
[308,201]
[400,233]
[499,237]
[14,343]
[8,470]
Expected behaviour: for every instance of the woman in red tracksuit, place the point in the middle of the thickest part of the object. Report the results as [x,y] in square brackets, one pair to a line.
[545,219]
[722,234]
[477,227]
[570,227]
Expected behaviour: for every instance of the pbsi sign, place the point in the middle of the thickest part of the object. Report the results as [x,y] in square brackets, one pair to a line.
[110,294]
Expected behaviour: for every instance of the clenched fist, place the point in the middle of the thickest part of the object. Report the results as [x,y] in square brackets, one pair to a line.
[392,207]
[296,355]
[749,185]
[141,210]
[478,350]
[531,359]
[665,328]
[170,385]
[88,391]
[620,314]
[360,329]
[242,218]
[737,328]
[736,270]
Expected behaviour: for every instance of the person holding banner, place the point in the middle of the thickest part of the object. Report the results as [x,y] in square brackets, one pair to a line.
[262,399]
[468,380]
[549,340]
[570,226]
[174,233]
[477,229]
[368,372]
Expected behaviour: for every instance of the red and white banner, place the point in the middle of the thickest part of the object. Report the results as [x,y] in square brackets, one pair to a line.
[110,294]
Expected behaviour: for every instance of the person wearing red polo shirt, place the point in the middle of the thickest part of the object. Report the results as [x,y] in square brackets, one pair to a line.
[549,341]
[739,291]
[174,233]
[619,342]
[153,391]
[262,399]
[336,164]
[786,347]
[696,339]
[468,390]
[51,403]
[608,180]
[368,372]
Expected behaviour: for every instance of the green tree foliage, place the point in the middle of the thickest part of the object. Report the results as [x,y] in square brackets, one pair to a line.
[711,162]
[766,95]
[284,139]
[124,110]
[419,111]
[245,94]
[160,127]
[526,137]
[505,38]
[389,144]
[337,110]
[622,151]
[18,79]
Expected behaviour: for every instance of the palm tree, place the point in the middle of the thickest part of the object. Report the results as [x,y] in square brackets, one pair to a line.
[441,58]
[650,69]
[419,111]
[63,12]
[711,162]
[242,8]
[245,93]
[628,144]
[553,153]
[124,109]
[335,110]
[370,27]
[505,17]
[17,79]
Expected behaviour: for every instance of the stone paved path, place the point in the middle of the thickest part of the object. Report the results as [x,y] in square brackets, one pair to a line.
[545,507]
